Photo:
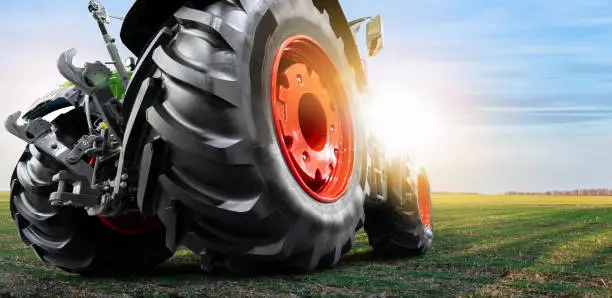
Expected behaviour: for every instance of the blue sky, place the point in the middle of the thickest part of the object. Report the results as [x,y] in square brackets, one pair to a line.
[543,57]
[524,87]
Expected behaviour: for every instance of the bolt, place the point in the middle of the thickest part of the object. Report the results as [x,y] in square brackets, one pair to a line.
[299,79]
[123,184]
[332,128]
[305,156]
[124,176]
[54,146]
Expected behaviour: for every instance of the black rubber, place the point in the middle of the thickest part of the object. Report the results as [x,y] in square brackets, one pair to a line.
[224,186]
[65,236]
[395,228]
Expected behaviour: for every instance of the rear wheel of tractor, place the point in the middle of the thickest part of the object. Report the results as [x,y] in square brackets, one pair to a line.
[263,155]
[402,225]
[66,236]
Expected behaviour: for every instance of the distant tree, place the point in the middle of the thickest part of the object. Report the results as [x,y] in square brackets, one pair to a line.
[573,192]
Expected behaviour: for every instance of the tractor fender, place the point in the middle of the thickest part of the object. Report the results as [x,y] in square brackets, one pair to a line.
[144,19]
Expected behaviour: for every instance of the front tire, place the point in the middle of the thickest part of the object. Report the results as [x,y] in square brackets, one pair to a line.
[228,185]
[66,236]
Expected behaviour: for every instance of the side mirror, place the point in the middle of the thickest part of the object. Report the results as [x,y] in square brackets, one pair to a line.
[374,35]
[130,63]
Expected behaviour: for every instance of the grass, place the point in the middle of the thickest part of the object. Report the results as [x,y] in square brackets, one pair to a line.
[484,246]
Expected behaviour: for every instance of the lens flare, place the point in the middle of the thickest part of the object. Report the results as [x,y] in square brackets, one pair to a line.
[403,122]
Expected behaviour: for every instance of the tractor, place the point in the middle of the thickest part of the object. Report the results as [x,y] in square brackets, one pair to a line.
[236,133]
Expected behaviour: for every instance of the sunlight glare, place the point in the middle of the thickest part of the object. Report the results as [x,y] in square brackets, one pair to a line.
[403,122]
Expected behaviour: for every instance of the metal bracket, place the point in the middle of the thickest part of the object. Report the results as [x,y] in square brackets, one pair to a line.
[379,179]
[38,132]
[377,173]
[111,110]
[93,80]
[82,78]
[28,131]
[135,134]
[82,147]
[80,195]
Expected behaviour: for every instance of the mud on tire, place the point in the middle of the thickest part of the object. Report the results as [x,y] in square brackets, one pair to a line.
[65,236]
[223,185]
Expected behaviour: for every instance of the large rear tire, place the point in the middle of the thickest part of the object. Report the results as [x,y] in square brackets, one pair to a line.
[231,182]
[403,224]
[66,236]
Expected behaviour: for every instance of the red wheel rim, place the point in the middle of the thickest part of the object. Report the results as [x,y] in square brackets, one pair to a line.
[131,224]
[424,198]
[312,119]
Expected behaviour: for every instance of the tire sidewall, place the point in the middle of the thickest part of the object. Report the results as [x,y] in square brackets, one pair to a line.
[288,21]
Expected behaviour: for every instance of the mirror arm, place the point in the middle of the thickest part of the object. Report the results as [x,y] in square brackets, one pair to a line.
[358,21]
[355,25]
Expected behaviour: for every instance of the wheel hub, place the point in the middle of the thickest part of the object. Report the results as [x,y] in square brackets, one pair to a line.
[309,124]
[311,118]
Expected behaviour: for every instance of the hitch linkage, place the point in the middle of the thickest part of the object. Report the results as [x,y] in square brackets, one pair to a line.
[73,190]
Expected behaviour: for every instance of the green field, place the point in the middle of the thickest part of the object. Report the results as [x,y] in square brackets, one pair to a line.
[484,245]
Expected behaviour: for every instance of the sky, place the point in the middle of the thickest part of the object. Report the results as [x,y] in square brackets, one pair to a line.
[521,90]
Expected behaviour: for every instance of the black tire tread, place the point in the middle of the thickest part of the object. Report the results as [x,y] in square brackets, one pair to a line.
[395,227]
[224,204]
[66,236]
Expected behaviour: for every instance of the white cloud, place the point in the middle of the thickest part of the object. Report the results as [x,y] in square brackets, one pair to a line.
[547,109]
[549,49]
[588,22]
